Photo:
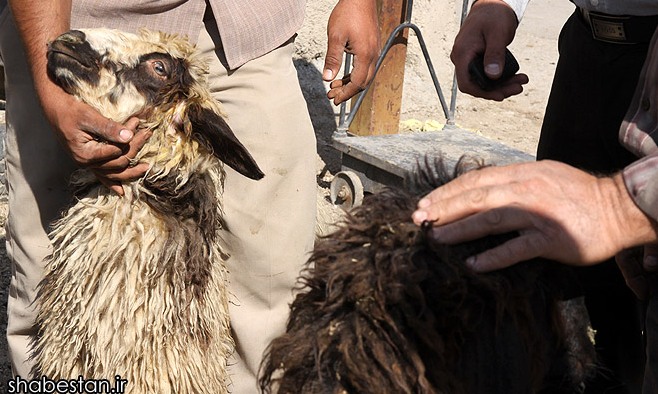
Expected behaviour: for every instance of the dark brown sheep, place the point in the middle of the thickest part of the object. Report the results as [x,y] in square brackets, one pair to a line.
[384,308]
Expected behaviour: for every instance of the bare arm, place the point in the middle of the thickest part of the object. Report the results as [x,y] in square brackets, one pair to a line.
[92,140]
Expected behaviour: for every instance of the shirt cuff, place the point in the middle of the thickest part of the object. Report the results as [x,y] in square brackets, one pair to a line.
[641,180]
[518,6]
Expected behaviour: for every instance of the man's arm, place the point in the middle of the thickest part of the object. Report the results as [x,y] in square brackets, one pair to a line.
[560,213]
[92,140]
[352,28]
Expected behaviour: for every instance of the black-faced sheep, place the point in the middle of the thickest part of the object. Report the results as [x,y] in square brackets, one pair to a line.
[385,308]
[136,285]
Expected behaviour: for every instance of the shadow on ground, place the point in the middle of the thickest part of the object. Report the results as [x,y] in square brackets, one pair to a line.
[321,111]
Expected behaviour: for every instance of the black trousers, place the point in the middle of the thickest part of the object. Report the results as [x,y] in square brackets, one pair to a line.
[592,89]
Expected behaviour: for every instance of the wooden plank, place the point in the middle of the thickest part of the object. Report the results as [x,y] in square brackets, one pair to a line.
[380,110]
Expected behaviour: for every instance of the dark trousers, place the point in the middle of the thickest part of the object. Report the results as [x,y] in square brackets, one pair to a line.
[592,89]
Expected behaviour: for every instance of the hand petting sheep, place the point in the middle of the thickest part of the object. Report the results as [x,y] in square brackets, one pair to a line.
[384,308]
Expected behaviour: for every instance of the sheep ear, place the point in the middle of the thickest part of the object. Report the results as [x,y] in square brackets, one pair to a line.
[225,145]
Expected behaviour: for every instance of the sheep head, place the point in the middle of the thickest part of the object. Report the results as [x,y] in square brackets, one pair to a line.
[123,75]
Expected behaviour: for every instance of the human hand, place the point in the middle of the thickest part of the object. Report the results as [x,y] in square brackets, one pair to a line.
[635,265]
[560,213]
[352,28]
[489,28]
[105,147]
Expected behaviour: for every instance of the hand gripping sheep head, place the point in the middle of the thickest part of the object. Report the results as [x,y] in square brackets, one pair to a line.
[136,286]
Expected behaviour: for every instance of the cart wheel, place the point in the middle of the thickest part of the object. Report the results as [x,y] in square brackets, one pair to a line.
[346,190]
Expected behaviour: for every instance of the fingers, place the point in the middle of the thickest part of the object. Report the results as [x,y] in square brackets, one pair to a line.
[353,83]
[510,87]
[112,173]
[110,131]
[114,180]
[334,57]
[468,194]
[124,175]
[466,83]
[495,221]
[494,61]
[347,87]
[126,159]
[489,28]
[516,250]
[90,137]
[352,28]
[527,245]
[451,208]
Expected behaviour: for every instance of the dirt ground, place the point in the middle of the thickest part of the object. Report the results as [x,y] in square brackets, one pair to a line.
[515,122]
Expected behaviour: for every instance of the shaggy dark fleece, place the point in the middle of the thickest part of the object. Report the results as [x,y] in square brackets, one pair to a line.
[384,308]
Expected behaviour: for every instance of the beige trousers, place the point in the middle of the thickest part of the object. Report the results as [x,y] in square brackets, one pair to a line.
[270,222]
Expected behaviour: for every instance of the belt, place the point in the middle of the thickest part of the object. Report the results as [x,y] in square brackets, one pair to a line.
[619,29]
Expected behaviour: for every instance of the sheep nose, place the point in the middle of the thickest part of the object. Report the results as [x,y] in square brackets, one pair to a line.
[73,37]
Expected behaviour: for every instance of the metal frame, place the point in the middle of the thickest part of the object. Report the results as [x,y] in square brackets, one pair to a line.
[449,111]
[369,163]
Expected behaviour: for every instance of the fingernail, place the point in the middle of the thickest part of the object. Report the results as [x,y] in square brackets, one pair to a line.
[328,74]
[424,203]
[492,69]
[126,134]
[470,262]
[419,216]
[650,263]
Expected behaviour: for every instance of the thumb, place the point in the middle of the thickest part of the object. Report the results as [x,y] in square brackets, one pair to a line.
[333,59]
[494,62]
[111,131]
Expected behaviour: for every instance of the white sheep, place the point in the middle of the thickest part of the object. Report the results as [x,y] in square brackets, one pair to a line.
[136,285]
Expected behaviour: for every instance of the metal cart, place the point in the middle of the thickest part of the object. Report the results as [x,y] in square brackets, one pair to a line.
[369,163]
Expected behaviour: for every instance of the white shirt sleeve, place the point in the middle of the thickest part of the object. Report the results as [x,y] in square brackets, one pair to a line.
[518,6]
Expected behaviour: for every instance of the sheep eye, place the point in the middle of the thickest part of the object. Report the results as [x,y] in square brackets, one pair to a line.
[159,68]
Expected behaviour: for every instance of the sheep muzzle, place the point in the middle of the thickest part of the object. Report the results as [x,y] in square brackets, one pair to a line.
[71,58]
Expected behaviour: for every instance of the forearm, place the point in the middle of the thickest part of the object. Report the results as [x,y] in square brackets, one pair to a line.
[38,23]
